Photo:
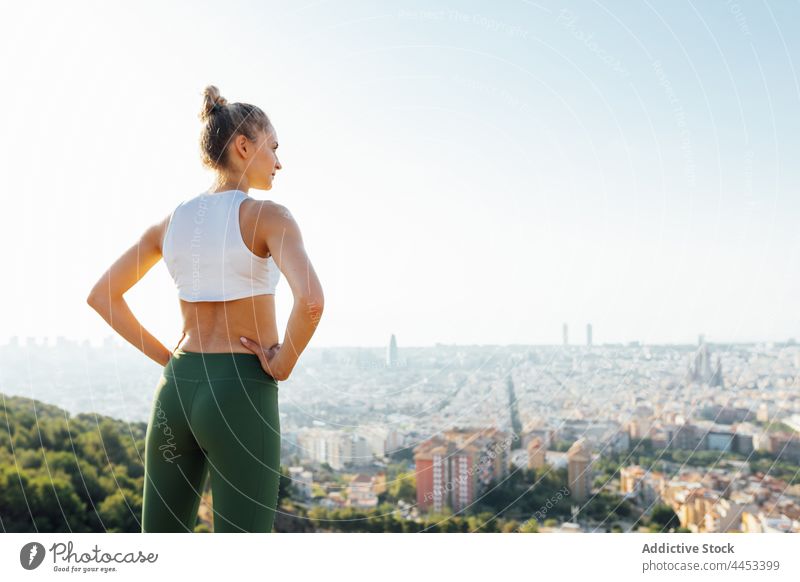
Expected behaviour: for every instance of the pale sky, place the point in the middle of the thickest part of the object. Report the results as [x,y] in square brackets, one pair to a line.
[461,172]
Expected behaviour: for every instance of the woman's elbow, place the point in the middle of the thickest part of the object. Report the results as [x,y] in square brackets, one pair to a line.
[313,305]
[100,298]
[93,299]
[100,293]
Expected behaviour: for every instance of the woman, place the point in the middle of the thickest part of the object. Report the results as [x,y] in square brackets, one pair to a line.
[216,404]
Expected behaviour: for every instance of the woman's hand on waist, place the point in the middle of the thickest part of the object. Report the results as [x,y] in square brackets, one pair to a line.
[268,357]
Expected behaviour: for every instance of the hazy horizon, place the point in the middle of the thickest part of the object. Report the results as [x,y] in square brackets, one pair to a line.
[50,341]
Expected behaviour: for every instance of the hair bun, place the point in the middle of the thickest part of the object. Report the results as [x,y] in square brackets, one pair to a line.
[212,101]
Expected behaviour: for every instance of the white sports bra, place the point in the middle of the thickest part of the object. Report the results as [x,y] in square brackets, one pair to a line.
[206,255]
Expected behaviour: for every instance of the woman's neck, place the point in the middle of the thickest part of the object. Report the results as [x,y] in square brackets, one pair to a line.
[226,184]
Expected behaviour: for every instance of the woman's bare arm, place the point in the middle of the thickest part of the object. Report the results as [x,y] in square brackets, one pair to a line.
[106,297]
[285,244]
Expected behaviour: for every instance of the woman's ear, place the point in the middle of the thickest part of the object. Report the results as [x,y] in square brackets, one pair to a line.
[242,145]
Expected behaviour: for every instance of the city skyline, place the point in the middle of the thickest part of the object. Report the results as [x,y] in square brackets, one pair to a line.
[603,434]
[96,342]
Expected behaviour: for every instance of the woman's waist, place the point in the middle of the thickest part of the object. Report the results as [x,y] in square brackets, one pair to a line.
[206,366]
[214,343]
[205,335]
[217,327]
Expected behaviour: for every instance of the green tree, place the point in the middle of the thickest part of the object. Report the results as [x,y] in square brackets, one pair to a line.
[54,504]
[121,511]
[664,518]
[404,486]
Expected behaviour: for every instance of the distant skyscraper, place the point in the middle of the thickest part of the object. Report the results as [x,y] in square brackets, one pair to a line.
[564,333]
[391,353]
[700,367]
[706,371]
[589,334]
[716,377]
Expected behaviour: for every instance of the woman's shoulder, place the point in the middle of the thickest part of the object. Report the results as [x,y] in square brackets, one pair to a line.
[268,210]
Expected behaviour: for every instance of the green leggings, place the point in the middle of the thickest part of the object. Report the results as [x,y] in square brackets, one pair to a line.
[217,414]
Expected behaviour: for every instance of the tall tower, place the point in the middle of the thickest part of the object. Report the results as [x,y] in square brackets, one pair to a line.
[589,334]
[578,474]
[706,363]
[391,352]
[564,334]
[716,377]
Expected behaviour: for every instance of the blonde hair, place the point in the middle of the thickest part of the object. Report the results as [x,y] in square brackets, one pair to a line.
[223,121]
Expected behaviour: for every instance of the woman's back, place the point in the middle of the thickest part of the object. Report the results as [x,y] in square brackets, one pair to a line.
[226,252]
[216,252]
